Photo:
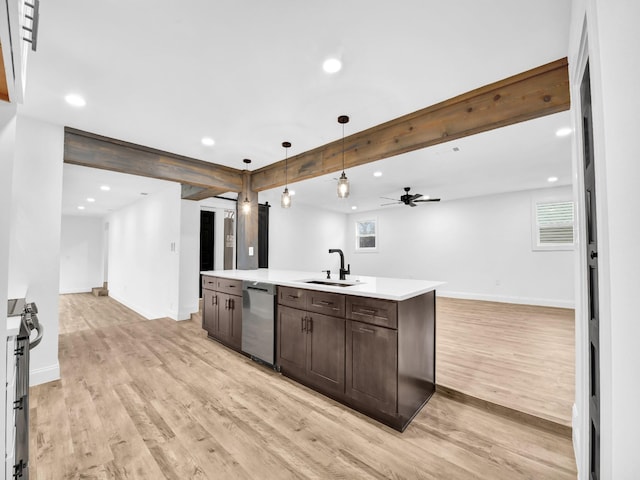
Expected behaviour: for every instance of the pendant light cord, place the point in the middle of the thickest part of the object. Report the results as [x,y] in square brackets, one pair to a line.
[343,148]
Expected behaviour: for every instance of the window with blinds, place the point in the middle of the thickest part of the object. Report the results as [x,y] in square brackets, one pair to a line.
[554,224]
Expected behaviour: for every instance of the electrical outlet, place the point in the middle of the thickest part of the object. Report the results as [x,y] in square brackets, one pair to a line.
[251,251]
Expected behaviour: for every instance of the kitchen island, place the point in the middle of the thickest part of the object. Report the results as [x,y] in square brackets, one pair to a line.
[367,342]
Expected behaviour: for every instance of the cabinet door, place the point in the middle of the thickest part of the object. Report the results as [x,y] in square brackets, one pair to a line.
[292,338]
[234,337]
[325,353]
[371,366]
[223,330]
[209,311]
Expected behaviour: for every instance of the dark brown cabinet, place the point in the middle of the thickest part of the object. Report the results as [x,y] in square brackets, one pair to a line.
[229,328]
[311,348]
[371,366]
[209,310]
[374,355]
[222,311]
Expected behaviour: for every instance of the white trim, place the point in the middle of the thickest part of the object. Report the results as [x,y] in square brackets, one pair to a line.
[541,302]
[135,308]
[366,218]
[38,376]
[75,290]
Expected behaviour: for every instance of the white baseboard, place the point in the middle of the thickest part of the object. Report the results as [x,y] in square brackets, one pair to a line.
[75,290]
[543,302]
[577,440]
[140,311]
[38,376]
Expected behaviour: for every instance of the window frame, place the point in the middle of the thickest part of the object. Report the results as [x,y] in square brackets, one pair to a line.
[376,235]
[535,227]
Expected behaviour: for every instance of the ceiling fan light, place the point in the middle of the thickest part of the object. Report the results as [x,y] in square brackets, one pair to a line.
[285,199]
[343,186]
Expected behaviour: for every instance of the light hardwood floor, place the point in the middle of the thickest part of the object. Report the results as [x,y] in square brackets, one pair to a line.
[156,399]
[518,356]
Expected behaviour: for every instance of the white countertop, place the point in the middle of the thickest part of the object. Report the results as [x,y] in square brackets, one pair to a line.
[376,287]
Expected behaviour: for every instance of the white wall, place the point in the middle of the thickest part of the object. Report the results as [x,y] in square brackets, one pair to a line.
[81,253]
[34,262]
[300,237]
[7,153]
[613,39]
[189,259]
[480,246]
[144,246]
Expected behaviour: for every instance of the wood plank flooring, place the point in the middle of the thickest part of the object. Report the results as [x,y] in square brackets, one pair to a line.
[518,356]
[156,399]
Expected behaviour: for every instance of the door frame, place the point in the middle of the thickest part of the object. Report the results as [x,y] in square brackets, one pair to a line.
[580,415]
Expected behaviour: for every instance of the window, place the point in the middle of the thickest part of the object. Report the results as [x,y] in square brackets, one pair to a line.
[366,235]
[553,226]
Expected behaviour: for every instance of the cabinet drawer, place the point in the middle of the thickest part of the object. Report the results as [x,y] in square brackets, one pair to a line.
[209,283]
[227,285]
[292,297]
[326,303]
[373,310]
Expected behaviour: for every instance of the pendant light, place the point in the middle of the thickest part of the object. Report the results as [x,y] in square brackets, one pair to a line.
[246,205]
[343,182]
[285,199]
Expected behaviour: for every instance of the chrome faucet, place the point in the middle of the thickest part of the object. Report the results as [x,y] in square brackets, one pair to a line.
[343,272]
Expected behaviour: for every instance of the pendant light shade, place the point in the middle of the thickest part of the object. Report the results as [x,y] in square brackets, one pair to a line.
[343,181]
[343,186]
[285,199]
[246,205]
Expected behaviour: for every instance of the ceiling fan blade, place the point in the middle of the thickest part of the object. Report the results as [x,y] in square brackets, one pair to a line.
[387,198]
[393,203]
[428,200]
[415,196]
[411,204]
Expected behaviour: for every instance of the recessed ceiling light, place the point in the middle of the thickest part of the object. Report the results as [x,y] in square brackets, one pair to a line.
[563,132]
[105,188]
[75,100]
[208,141]
[144,193]
[426,197]
[91,200]
[332,65]
[80,207]
[456,149]
[377,174]
[292,192]
[354,208]
[552,179]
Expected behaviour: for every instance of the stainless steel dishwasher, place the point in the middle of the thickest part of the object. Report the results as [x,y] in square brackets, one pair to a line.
[258,321]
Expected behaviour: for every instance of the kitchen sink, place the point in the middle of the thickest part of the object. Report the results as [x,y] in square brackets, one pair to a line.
[332,283]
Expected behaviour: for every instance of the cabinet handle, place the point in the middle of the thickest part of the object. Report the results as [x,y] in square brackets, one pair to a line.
[214,300]
[293,296]
[232,304]
[226,304]
[324,302]
[366,330]
[302,320]
[368,312]
[310,325]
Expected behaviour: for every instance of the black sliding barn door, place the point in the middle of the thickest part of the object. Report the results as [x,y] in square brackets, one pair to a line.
[263,235]
[592,263]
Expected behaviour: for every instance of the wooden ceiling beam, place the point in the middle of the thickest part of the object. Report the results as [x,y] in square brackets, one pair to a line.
[91,150]
[535,93]
[189,192]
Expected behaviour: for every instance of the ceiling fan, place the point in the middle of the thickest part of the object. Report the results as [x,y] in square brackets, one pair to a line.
[409,199]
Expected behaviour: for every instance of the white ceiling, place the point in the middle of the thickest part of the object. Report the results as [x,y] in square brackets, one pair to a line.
[248,72]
